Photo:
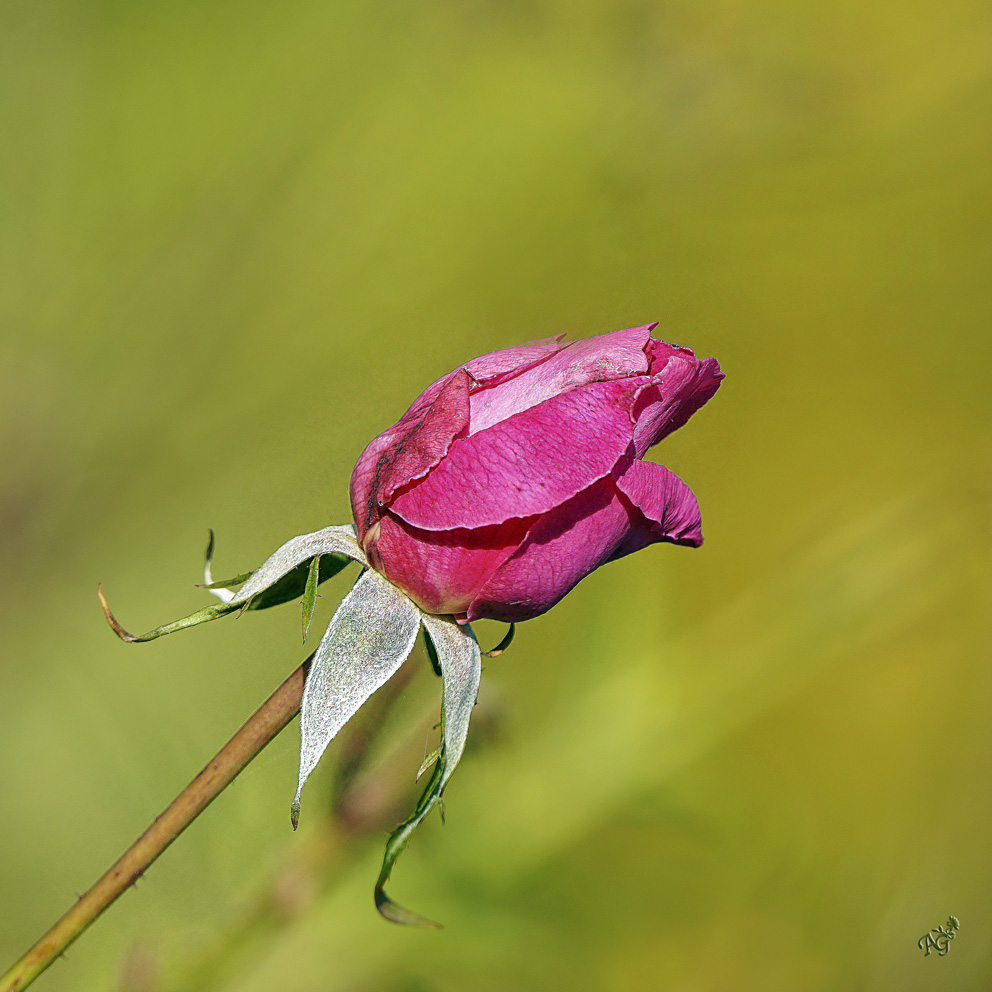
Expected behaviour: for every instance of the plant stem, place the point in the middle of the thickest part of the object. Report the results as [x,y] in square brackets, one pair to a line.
[261,728]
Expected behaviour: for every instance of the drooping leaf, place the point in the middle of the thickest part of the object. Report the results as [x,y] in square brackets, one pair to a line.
[201,616]
[338,542]
[461,669]
[283,575]
[293,584]
[370,635]
[280,578]
[398,839]
[310,595]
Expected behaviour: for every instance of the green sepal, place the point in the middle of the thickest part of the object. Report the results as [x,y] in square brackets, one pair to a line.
[503,644]
[294,583]
[283,576]
[429,760]
[310,595]
[460,661]
[193,620]
[398,840]
[290,586]
[226,583]
[371,634]
[432,655]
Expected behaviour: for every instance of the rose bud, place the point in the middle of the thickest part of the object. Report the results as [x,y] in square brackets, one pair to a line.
[516,475]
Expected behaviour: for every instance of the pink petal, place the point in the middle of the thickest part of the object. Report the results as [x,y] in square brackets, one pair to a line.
[614,517]
[495,367]
[616,355]
[659,352]
[668,507]
[674,395]
[410,449]
[527,464]
[563,547]
[498,366]
[442,571]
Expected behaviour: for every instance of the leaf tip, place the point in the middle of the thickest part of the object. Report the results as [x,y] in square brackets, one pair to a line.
[208,557]
[309,602]
[395,913]
[503,644]
[429,760]
[111,619]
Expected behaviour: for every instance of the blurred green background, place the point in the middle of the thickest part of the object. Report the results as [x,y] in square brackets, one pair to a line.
[238,238]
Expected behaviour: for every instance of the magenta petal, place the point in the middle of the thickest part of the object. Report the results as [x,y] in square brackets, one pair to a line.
[489,370]
[442,571]
[674,395]
[659,352]
[410,449]
[527,464]
[498,366]
[562,548]
[363,483]
[617,355]
[667,504]
[612,518]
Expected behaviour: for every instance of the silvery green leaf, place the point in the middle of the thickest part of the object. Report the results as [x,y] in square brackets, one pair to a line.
[461,670]
[281,577]
[293,584]
[296,552]
[370,635]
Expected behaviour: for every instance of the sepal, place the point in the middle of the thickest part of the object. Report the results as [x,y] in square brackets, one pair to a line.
[370,635]
[281,577]
[461,670]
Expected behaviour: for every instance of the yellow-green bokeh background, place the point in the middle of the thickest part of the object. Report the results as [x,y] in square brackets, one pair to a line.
[238,238]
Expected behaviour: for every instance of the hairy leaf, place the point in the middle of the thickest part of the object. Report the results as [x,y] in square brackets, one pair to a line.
[370,635]
[280,578]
